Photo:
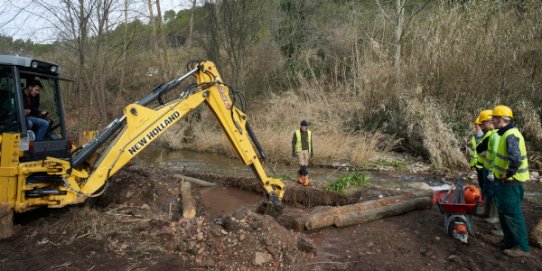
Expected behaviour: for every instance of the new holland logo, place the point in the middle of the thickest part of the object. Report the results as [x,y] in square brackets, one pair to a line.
[153,133]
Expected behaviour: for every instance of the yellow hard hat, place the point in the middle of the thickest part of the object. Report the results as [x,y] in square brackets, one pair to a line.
[502,111]
[477,121]
[485,115]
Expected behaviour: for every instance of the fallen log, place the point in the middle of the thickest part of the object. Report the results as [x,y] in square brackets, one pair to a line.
[368,211]
[188,206]
[194,180]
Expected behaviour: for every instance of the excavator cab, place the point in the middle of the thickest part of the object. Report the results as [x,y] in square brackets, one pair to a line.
[15,73]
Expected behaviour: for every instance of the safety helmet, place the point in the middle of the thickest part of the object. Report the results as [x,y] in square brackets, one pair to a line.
[502,111]
[477,121]
[485,115]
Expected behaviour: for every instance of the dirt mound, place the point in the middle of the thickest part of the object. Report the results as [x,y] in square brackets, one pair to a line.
[133,226]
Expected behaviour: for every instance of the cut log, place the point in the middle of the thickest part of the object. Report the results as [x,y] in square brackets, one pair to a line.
[368,211]
[188,206]
[387,211]
[194,180]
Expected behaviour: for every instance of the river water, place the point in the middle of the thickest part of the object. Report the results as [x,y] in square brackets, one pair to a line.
[223,165]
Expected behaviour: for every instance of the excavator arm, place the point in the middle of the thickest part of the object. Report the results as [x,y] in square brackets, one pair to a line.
[143,125]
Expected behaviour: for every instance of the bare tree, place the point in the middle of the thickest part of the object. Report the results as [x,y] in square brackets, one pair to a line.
[241,22]
[162,40]
[155,43]
[397,19]
[191,25]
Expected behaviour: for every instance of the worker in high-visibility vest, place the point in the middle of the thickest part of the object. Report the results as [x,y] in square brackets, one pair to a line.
[486,149]
[511,172]
[302,150]
[475,160]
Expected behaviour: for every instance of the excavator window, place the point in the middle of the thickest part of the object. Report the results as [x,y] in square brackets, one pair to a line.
[9,121]
[49,102]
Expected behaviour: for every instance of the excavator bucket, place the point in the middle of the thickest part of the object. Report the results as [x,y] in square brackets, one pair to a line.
[271,206]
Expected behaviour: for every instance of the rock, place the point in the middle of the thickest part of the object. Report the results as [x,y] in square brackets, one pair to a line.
[199,236]
[261,258]
[275,253]
[145,206]
[209,262]
[306,245]
[240,213]
[169,245]
[451,258]
[535,176]
[535,235]
[191,245]
[230,224]
[242,237]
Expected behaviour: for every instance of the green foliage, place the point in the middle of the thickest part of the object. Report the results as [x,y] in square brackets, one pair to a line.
[354,179]
[395,164]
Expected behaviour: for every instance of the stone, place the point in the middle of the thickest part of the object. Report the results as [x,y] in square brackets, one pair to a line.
[535,176]
[261,258]
[306,245]
[209,262]
[199,236]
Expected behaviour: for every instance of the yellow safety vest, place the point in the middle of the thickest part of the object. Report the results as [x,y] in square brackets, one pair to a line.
[502,162]
[298,146]
[473,161]
[492,147]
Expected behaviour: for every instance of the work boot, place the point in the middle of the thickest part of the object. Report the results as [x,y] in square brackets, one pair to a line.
[497,232]
[299,179]
[493,215]
[306,182]
[517,252]
[504,246]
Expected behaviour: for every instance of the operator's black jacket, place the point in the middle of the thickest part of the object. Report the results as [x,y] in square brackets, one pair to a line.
[32,103]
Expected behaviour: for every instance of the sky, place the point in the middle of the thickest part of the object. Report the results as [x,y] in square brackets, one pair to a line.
[25,19]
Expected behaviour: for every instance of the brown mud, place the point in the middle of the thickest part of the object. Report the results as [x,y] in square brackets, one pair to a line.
[135,225]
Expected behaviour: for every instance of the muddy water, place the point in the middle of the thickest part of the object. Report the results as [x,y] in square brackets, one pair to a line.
[223,165]
[220,200]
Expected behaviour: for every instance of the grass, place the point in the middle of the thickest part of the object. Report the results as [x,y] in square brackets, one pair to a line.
[347,181]
[394,164]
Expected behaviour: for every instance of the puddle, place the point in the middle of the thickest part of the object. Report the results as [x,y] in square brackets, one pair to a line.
[219,200]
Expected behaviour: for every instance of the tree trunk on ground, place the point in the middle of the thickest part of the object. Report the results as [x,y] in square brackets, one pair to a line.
[188,206]
[369,211]
[194,180]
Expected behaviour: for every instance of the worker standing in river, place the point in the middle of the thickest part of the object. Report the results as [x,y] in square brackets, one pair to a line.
[511,172]
[302,150]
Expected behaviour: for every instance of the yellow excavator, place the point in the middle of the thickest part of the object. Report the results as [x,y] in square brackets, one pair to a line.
[52,172]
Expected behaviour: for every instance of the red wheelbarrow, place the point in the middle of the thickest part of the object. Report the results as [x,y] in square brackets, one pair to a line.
[457,213]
